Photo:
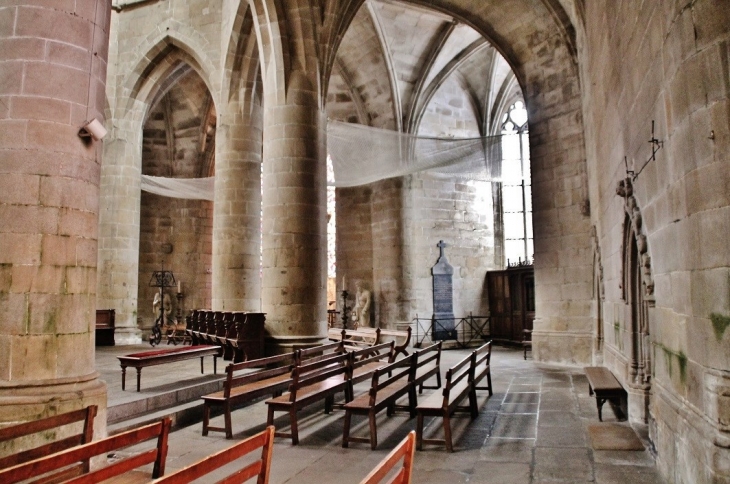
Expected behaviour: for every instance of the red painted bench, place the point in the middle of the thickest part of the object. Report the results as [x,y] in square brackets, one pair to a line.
[167,355]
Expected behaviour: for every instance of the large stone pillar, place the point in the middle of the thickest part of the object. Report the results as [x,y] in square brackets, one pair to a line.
[52,78]
[119,211]
[294,293]
[237,211]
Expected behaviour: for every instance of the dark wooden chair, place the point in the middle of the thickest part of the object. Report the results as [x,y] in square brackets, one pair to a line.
[259,468]
[405,450]
[526,341]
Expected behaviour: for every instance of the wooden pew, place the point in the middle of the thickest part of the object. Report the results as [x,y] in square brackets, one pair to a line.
[401,338]
[482,368]
[389,383]
[246,337]
[458,386]
[354,339]
[259,468]
[429,364]
[50,424]
[272,379]
[37,470]
[311,382]
[404,450]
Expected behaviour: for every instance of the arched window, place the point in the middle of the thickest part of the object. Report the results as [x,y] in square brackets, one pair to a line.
[516,187]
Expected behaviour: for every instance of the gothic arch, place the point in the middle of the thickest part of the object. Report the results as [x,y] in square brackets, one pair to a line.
[163,54]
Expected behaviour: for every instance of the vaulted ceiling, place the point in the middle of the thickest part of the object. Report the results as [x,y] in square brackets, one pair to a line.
[415,70]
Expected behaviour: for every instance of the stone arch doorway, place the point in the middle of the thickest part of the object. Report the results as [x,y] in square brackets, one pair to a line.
[178,141]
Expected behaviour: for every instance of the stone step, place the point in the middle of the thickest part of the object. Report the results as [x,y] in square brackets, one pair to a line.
[127,411]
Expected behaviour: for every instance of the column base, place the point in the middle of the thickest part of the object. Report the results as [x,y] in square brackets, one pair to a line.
[28,401]
[279,345]
[127,336]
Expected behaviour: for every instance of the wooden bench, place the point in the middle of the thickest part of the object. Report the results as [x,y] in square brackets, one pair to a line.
[37,470]
[428,365]
[389,383]
[354,339]
[272,379]
[13,436]
[401,338]
[405,450]
[482,368]
[168,355]
[366,337]
[458,386]
[259,468]
[311,382]
[606,388]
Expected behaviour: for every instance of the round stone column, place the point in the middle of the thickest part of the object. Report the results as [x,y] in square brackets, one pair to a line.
[52,79]
[294,295]
[237,212]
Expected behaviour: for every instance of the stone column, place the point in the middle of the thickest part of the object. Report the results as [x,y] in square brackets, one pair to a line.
[52,78]
[294,293]
[237,211]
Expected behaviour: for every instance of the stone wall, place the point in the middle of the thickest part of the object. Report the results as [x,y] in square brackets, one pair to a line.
[666,62]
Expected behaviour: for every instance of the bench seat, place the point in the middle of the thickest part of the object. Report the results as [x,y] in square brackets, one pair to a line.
[606,387]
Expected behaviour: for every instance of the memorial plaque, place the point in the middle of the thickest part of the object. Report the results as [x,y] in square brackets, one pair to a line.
[442,320]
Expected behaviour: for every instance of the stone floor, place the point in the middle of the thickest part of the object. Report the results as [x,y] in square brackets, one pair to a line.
[532,430]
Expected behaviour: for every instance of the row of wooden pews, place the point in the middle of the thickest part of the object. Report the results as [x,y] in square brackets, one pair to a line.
[299,379]
[239,334]
[68,460]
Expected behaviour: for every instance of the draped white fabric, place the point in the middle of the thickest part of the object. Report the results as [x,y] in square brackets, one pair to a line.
[189,188]
[361,155]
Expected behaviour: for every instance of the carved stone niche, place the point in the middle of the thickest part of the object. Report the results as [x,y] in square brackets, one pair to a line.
[625,189]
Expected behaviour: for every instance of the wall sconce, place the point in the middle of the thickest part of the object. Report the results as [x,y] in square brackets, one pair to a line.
[93,129]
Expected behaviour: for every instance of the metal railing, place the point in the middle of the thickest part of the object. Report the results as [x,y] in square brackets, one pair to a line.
[468,329]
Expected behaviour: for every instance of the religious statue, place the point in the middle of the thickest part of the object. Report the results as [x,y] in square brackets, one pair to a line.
[361,312]
[167,308]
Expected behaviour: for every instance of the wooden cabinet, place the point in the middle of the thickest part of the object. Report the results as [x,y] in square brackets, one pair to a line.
[511,302]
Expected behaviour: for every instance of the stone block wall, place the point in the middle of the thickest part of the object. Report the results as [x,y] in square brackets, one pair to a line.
[666,62]
[460,213]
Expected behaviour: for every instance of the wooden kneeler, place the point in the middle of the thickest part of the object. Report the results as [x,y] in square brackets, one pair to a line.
[405,450]
[258,469]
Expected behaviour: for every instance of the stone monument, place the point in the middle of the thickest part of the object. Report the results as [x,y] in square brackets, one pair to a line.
[442,320]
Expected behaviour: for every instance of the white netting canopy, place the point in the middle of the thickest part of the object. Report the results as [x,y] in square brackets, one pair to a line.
[189,188]
[362,155]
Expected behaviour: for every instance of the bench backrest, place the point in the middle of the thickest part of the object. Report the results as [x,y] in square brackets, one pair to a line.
[364,356]
[82,453]
[259,468]
[463,370]
[317,371]
[404,450]
[429,354]
[389,374]
[269,367]
[19,431]
[482,358]
[315,353]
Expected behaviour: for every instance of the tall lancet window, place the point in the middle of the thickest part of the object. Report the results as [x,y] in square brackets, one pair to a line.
[331,227]
[516,186]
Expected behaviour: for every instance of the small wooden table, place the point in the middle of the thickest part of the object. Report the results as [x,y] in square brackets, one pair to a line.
[162,356]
